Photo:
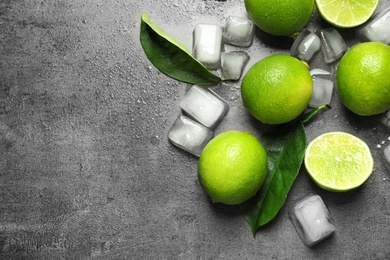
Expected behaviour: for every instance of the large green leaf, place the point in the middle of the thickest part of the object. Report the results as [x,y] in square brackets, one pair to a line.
[285,150]
[171,57]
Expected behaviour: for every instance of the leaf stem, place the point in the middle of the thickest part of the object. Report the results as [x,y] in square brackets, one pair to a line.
[308,116]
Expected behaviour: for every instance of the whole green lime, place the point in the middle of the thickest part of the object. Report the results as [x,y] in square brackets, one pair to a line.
[232,167]
[280,17]
[277,89]
[363,81]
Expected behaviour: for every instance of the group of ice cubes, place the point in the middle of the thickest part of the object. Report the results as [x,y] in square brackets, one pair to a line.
[311,219]
[329,41]
[208,40]
[202,110]
[377,28]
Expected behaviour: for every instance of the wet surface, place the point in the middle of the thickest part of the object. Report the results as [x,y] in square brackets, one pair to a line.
[86,169]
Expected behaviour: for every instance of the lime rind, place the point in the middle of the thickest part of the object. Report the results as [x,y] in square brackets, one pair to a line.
[346,13]
[232,167]
[338,161]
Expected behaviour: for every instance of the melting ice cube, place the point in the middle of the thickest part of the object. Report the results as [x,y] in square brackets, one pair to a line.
[377,29]
[233,63]
[332,44]
[311,220]
[238,31]
[318,72]
[204,106]
[322,91]
[306,45]
[386,118]
[386,153]
[207,44]
[189,135]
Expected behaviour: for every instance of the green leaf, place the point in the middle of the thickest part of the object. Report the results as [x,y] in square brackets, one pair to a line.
[285,150]
[171,57]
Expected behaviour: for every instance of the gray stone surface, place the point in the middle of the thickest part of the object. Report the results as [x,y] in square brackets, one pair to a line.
[86,170]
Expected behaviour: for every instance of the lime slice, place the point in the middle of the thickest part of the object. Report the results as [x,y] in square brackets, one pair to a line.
[338,161]
[346,13]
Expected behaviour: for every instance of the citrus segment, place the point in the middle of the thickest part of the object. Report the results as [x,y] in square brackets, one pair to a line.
[346,13]
[338,161]
[232,167]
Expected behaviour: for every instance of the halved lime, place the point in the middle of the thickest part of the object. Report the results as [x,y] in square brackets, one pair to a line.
[338,161]
[346,13]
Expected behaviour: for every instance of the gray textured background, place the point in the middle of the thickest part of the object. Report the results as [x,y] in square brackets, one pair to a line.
[87,172]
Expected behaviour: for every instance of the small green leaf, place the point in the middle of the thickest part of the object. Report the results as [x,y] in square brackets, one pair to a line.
[171,57]
[285,149]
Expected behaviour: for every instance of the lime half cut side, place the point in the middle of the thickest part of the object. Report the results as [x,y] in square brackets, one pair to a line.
[338,161]
[346,13]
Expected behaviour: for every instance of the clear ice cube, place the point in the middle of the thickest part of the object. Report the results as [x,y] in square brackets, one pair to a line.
[207,45]
[386,118]
[238,31]
[233,63]
[306,45]
[377,29]
[204,106]
[322,91]
[386,153]
[319,72]
[189,135]
[311,220]
[332,44]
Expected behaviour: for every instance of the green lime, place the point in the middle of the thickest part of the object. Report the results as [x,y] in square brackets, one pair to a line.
[338,161]
[363,82]
[277,89]
[232,167]
[280,17]
[346,13]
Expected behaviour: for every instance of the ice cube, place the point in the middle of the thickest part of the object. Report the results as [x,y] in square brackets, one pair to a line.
[377,29]
[204,106]
[207,45]
[386,118]
[386,153]
[238,31]
[311,220]
[306,45]
[332,44]
[233,63]
[318,72]
[322,91]
[189,135]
